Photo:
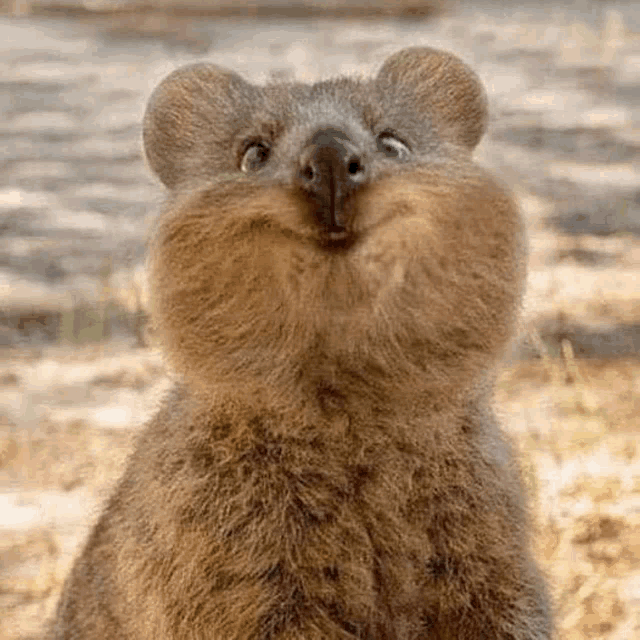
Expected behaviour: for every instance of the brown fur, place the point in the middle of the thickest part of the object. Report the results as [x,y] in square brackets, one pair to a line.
[329,465]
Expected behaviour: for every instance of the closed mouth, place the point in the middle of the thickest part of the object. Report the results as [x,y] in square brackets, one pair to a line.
[337,238]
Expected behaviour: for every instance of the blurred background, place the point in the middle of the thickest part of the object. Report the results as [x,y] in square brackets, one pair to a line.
[79,372]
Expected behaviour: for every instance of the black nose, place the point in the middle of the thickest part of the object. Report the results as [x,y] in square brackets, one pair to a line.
[330,169]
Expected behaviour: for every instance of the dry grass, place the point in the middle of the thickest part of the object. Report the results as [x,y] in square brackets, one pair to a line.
[577,425]
[53,471]
[576,422]
[53,460]
[60,456]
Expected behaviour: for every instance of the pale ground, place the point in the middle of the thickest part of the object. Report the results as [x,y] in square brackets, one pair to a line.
[565,97]
[576,422]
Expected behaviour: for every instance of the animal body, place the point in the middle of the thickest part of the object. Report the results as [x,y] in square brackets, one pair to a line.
[334,281]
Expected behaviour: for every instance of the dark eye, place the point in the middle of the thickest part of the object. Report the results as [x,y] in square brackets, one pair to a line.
[392,147]
[255,156]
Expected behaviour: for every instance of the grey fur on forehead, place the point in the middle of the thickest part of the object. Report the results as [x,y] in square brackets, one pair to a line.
[309,100]
[357,106]
[319,107]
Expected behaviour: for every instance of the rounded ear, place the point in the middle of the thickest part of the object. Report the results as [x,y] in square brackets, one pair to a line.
[191,118]
[440,84]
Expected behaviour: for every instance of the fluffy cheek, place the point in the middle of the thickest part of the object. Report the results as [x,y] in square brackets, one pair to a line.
[387,254]
[220,302]
[441,260]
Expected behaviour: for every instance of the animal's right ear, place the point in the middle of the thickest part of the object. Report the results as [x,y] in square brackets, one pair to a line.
[191,118]
[440,85]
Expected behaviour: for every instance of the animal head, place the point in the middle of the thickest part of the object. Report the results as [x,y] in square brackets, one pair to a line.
[331,236]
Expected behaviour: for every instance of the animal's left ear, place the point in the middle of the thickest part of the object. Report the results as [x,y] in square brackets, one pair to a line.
[441,86]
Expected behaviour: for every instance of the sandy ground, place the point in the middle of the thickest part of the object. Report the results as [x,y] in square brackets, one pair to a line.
[576,423]
[76,200]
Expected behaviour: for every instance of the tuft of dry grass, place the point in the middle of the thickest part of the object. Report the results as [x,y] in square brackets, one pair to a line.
[53,459]
[577,425]
[58,455]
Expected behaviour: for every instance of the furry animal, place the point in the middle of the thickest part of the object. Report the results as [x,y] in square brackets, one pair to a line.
[334,281]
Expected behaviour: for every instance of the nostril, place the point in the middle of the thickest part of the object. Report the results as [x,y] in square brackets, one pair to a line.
[355,167]
[307,173]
